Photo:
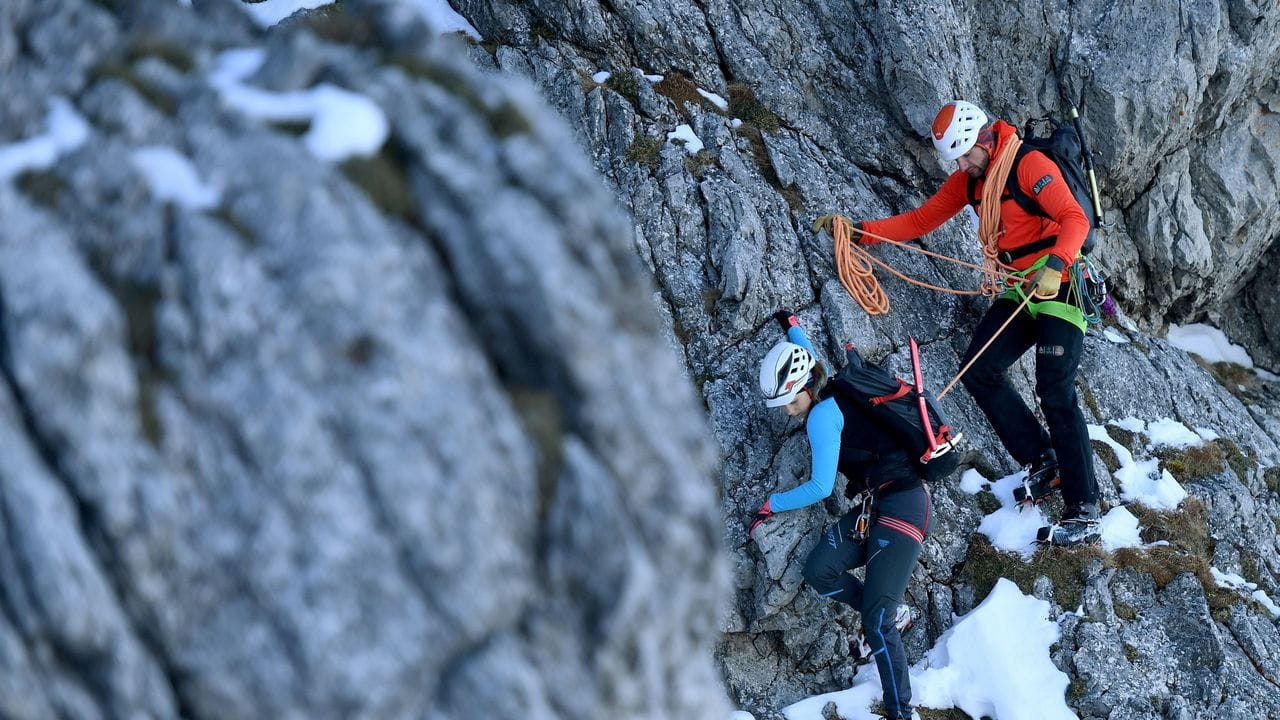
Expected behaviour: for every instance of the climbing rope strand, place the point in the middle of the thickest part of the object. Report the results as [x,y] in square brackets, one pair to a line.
[983,349]
[855,272]
[862,252]
[930,253]
[853,263]
[853,266]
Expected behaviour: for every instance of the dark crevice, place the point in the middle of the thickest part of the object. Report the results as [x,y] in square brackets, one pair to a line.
[86,516]
[721,61]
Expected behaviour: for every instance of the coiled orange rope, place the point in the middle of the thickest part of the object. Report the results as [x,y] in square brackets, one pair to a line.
[993,274]
[853,265]
[853,262]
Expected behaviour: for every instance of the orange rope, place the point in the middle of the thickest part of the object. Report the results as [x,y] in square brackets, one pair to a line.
[989,218]
[853,265]
[855,272]
[853,262]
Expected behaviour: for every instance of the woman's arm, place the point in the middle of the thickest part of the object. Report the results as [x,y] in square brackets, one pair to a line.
[824,425]
[796,334]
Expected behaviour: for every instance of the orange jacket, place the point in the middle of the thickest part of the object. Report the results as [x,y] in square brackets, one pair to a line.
[1069,224]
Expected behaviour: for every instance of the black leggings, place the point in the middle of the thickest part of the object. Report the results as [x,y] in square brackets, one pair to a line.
[1058,346]
[890,557]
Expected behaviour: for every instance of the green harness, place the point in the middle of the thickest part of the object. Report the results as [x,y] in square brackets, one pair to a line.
[1053,308]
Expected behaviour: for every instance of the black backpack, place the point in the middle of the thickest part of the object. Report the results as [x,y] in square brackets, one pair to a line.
[1064,148]
[895,404]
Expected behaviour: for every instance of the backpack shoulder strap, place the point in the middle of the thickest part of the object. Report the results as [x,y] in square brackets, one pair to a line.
[1029,205]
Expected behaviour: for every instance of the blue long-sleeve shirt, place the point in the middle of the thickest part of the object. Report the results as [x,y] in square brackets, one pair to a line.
[824,425]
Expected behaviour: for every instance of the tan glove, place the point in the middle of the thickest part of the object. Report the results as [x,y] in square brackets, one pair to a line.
[824,223]
[1046,283]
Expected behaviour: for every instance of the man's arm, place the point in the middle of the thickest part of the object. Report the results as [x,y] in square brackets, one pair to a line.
[939,208]
[1040,178]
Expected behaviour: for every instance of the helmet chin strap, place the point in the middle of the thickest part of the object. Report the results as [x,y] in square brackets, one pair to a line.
[808,389]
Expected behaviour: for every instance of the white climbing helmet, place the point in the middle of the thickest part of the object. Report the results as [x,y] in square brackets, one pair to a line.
[783,373]
[956,127]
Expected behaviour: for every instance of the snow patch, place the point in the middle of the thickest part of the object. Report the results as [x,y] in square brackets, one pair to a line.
[1209,343]
[1141,480]
[683,134]
[172,177]
[715,99]
[1166,432]
[342,123]
[437,13]
[995,662]
[1266,602]
[1115,337]
[65,130]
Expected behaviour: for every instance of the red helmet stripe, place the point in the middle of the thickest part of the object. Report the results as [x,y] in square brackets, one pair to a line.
[943,120]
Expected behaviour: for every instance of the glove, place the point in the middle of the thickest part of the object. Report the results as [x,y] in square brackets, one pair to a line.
[786,319]
[824,223]
[758,517]
[1046,283]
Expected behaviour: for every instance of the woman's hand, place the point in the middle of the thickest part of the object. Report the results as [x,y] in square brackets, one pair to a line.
[759,516]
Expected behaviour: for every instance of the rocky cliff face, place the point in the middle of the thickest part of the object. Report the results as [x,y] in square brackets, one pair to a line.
[402,435]
[393,437]
[1179,102]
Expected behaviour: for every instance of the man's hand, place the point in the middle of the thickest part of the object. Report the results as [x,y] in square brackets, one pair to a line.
[786,319]
[1046,283]
[827,222]
[759,516]
[824,223]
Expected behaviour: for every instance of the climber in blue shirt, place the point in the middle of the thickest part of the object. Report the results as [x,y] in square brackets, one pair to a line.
[885,529]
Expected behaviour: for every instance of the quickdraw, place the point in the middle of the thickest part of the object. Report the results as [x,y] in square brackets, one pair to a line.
[862,524]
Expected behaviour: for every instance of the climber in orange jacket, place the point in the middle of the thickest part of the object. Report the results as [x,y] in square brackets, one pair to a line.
[1041,247]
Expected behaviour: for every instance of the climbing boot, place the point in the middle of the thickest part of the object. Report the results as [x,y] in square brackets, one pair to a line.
[1042,477]
[903,618]
[1079,524]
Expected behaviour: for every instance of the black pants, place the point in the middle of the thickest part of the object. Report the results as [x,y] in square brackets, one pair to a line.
[1058,346]
[890,557]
